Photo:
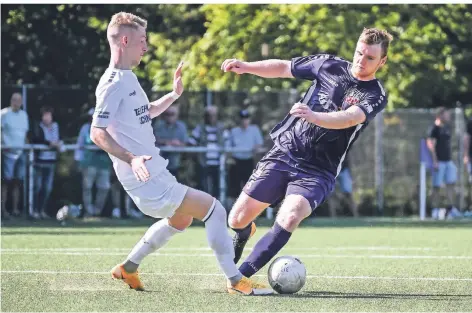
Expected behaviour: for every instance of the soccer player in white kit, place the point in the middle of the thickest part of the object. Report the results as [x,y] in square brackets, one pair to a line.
[122,127]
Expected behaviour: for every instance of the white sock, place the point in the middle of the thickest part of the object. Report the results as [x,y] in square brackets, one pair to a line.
[155,237]
[219,239]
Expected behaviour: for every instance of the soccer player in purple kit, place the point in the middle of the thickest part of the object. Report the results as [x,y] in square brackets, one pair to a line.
[311,142]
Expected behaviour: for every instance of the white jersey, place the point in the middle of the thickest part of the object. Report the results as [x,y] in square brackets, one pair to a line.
[123,108]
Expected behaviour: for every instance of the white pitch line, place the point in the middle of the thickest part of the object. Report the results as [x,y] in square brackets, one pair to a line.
[322,256]
[221,275]
[373,248]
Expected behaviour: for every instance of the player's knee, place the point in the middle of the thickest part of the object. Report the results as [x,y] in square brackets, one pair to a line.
[289,220]
[180,221]
[236,220]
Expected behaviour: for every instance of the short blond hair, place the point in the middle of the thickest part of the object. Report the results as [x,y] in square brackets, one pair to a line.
[374,36]
[125,19]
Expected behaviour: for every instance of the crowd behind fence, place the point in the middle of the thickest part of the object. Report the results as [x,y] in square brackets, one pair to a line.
[385,161]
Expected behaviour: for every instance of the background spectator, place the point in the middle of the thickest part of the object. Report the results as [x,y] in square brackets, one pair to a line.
[210,134]
[170,131]
[444,169]
[245,136]
[15,126]
[45,132]
[96,167]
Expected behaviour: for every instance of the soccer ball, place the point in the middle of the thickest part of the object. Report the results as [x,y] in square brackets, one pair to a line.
[287,275]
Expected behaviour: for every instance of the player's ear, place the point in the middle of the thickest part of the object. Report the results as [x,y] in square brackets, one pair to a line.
[383,61]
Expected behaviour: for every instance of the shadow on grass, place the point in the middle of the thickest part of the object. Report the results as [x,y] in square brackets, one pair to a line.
[94,225]
[355,295]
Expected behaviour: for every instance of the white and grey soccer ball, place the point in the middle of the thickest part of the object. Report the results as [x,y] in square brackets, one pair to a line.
[287,275]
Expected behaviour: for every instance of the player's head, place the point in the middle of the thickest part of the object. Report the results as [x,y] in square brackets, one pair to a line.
[245,118]
[443,115]
[126,34]
[171,114]
[46,115]
[371,52]
[16,101]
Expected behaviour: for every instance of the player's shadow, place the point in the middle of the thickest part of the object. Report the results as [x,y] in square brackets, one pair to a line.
[356,295]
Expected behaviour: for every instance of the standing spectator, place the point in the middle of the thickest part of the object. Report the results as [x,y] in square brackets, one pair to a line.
[444,169]
[245,136]
[212,135]
[96,167]
[45,132]
[15,126]
[344,180]
[171,132]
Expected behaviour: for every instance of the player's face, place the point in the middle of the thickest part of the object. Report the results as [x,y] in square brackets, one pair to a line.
[367,60]
[137,45]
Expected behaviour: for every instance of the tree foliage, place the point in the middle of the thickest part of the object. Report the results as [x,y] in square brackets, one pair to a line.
[429,60]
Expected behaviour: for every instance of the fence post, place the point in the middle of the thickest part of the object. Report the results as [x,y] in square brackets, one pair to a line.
[223,176]
[26,196]
[209,98]
[459,122]
[31,181]
[379,166]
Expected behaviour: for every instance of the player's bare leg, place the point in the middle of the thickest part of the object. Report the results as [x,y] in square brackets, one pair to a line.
[294,209]
[244,212]
[209,210]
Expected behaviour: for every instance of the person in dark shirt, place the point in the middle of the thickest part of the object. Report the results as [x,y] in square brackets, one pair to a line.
[444,169]
[310,143]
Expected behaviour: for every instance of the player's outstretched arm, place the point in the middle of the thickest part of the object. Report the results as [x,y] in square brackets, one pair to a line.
[272,68]
[105,141]
[161,104]
[330,120]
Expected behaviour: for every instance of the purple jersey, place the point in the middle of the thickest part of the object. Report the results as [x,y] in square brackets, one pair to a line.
[334,88]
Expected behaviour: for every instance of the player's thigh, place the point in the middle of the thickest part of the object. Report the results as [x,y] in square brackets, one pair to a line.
[313,187]
[266,185]
[451,173]
[245,210]
[160,197]
[196,204]
[293,210]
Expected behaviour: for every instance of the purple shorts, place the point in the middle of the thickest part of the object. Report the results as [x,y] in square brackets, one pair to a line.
[277,176]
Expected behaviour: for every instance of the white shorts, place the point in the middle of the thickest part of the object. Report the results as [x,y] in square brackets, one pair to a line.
[160,196]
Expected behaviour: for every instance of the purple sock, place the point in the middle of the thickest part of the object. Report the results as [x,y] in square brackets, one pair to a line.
[265,249]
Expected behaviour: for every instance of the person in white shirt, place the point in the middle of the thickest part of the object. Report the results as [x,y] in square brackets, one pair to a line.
[15,126]
[122,127]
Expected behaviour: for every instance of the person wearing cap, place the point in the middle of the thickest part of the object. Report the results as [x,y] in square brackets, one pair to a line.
[95,166]
[248,137]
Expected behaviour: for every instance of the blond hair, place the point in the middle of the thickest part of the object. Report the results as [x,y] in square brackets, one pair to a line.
[124,19]
[374,36]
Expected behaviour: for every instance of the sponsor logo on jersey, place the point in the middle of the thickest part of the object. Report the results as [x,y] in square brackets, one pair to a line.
[133,93]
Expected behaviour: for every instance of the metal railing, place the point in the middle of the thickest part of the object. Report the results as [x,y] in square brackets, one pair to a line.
[224,151]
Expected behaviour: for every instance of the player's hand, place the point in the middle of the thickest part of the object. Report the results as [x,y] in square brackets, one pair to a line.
[435,165]
[139,167]
[233,65]
[178,85]
[466,159]
[303,111]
